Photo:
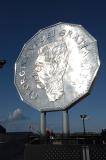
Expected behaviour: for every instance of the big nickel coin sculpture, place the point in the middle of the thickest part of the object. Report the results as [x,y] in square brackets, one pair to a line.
[56,68]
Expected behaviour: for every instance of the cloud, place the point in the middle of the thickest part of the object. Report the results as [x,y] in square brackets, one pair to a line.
[16,115]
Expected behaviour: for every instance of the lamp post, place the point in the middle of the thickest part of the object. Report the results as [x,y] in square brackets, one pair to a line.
[2,62]
[83,117]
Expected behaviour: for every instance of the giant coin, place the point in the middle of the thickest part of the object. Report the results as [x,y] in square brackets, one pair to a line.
[57,67]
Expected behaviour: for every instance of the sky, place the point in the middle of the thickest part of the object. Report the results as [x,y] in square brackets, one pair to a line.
[19,21]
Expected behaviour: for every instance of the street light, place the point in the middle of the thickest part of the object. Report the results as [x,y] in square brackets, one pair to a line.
[2,62]
[83,117]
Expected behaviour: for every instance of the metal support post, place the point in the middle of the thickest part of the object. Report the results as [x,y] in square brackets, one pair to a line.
[65,123]
[43,123]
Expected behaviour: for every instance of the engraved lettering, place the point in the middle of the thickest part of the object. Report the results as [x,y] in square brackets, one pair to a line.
[22,73]
[33,95]
[84,52]
[28,91]
[51,34]
[80,40]
[83,75]
[62,33]
[70,33]
[22,80]
[85,67]
[24,62]
[42,38]
[76,37]
[25,86]
[83,44]
[36,42]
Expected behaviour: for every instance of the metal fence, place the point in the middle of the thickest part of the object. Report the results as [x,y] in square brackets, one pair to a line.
[53,152]
[97,152]
[65,152]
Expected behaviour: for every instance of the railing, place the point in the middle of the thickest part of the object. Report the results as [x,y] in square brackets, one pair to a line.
[71,141]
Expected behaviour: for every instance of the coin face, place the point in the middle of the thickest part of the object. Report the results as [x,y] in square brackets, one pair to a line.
[56,67]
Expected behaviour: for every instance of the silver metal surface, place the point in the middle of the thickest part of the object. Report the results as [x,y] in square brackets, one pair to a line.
[66,129]
[56,67]
[43,123]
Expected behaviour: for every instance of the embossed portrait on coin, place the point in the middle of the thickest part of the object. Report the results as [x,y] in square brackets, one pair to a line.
[50,67]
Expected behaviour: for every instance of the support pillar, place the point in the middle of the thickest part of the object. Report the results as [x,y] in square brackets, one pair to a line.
[65,123]
[43,123]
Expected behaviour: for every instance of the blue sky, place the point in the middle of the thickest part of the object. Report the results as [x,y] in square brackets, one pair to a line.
[19,21]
